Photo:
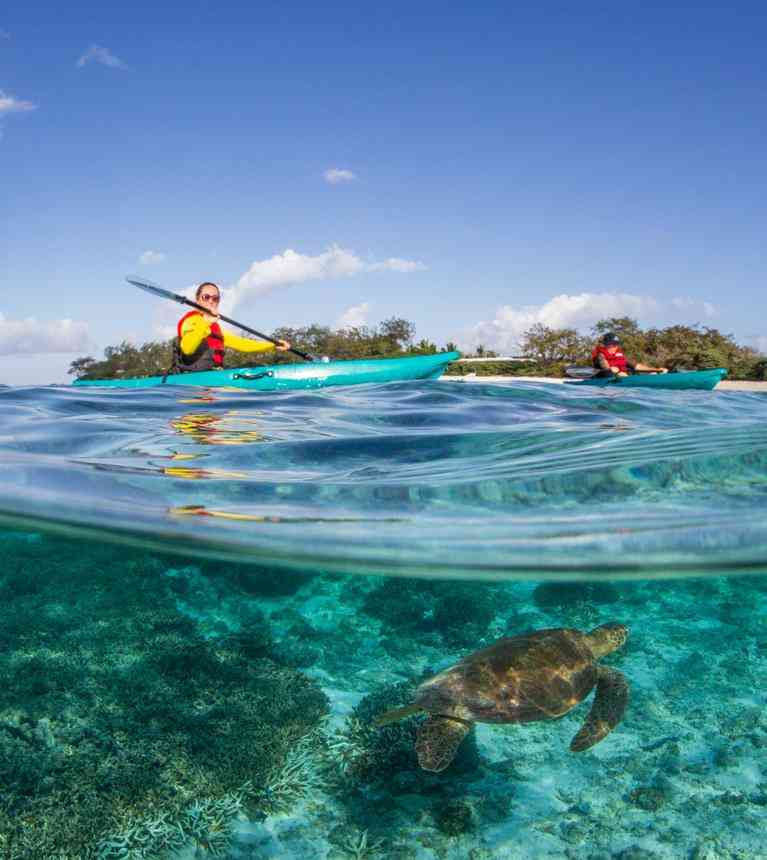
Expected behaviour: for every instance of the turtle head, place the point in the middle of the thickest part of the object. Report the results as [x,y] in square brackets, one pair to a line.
[607,638]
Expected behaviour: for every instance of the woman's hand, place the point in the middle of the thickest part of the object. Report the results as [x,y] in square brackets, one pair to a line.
[282,345]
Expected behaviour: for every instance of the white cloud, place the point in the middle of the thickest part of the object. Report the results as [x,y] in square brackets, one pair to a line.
[395,264]
[104,56]
[290,268]
[151,258]
[685,304]
[355,316]
[337,175]
[580,312]
[10,104]
[29,336]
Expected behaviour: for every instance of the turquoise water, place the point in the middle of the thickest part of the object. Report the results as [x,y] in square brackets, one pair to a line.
[207,598]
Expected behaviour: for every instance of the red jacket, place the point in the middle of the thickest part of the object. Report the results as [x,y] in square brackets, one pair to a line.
[212,347]
[616,359]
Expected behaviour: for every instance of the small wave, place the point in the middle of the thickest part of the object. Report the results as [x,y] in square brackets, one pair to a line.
[430,477]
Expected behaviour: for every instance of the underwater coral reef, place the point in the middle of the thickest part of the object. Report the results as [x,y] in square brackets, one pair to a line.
[161,707]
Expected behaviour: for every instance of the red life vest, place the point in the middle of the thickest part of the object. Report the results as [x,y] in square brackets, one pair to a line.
[616,359]
[209,353]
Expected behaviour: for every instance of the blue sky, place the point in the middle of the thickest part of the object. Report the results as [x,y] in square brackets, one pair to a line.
[497,164]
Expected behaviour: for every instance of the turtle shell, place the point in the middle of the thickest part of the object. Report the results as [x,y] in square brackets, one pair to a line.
[535,676]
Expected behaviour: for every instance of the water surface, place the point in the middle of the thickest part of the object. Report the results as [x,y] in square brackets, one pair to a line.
[417,478]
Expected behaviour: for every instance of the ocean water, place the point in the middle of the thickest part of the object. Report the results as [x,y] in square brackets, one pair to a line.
[209,596]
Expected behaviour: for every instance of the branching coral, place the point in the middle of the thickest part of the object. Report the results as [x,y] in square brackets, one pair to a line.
[359,847]
[360,752]
[135,734]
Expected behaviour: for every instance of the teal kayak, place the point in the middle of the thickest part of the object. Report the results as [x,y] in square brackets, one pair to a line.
[289,377]
[692,379]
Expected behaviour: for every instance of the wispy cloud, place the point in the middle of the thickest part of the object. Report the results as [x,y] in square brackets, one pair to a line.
[291,268]
[354,316]
[151,258]
[505,330]
[99,54]
[396,264]
[30,336]
[338,175]
[10,104]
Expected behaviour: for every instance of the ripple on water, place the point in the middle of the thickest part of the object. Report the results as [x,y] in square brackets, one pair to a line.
[430,477]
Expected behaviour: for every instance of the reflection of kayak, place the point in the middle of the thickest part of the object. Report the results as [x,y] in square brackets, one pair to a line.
[281,377]
[701,379]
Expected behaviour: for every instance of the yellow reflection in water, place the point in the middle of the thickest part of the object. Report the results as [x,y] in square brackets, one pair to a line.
[202,511]
[199,474]
[210,429]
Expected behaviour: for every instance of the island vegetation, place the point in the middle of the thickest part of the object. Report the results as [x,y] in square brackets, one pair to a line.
[544,351]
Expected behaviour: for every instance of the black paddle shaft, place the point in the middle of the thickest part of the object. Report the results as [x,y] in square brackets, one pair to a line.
[182,300]
[305,355]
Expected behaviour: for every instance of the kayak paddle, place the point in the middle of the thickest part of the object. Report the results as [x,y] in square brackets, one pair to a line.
[182,300]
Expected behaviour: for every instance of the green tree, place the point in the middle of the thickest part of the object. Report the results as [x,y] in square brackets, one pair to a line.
[697,347]
[80,367]
[125,359]
[630,334]
[398,332]
[424,347]
[549,345]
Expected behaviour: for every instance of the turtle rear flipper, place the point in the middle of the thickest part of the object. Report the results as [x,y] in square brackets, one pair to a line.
[607,710]
[438,741]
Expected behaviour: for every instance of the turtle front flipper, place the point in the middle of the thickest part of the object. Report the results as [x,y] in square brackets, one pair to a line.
[606,712]
[438,741]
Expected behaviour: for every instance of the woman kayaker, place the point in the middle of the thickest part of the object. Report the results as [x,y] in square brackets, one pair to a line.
[201,340]
[609,359]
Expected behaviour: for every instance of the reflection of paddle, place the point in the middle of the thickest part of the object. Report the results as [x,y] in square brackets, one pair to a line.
[182,300]
[575,372]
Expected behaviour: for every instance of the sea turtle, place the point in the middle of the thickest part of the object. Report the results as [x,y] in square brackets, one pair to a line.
[538,675]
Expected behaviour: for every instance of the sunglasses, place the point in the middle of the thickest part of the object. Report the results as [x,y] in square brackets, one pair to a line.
[210,297]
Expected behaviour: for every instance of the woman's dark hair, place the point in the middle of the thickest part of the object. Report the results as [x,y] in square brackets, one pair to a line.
[206,284]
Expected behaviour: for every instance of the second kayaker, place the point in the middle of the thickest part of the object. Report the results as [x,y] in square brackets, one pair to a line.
[609,359]
[201,341]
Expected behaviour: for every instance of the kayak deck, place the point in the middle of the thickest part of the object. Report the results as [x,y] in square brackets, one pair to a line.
[286,377]
[704,380]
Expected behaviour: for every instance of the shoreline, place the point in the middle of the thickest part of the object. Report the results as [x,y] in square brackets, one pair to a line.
[726,385]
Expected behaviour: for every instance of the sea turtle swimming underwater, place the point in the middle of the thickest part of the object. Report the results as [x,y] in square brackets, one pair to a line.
[538,675]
